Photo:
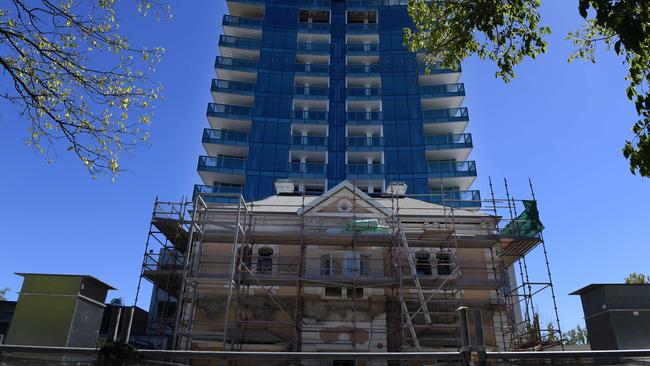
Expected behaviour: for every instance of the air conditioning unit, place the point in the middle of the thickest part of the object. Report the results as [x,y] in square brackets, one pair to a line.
[396,188]
[284,186]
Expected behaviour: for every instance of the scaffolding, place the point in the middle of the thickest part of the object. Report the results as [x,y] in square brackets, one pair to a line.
[344,272]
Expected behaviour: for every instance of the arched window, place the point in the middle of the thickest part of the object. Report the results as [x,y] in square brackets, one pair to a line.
[265,260]
[423,263]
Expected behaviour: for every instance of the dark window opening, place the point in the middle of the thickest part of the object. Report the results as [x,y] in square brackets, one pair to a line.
[423,264]
[444,264]
[362,17]
[314,16]
[354,293]
[265,260]
[333,292]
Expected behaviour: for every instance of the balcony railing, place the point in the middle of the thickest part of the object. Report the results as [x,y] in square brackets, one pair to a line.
[364,143]
[239,42]
[440,91]
[311,117]
[222,164]
[352,4]
[362,47]
[312,92]
[316,3]
[315,169]
[313,69]
[362,28]
[448,168]
[309,142]
[243,22]
[436,69]
[454,198]
[361,169]
[448,141]
[216,136]
[313,47]
[362,118]
[445,115]
[314,27]
[229,111]
[363,93]
[235,64]
[362,69]
[220,194]
[234,87]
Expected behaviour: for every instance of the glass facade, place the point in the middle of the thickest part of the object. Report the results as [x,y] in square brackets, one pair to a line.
[319,91]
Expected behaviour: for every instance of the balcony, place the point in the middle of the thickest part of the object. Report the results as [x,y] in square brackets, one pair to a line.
[221,169]
[454,198]
[442,96]
[236,69]
[448,146]
[364,143]
[371,70]
[233,92]
[242,27]
[313,48]
[365,171]
[364,118]
[452,173]
[361,28]
[363,93]
[246,8]
[225,142]
[312,92]
[309,143]
[319,28]
[316,4]
[452,120]
[310,117]
[437,74]
[308,170]
[353,49]
[239,47]
[226,116]
[217,194]
[361,4]
[315,70]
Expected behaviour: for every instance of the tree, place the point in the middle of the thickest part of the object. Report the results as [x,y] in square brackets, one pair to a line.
[508,31]
[76,80]
[3,293]
[637,279]
[117,301]
[577,335]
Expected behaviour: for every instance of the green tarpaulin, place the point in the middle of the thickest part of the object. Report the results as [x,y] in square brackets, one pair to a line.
[527,224]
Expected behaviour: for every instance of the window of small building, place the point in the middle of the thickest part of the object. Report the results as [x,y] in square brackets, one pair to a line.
[423,263]
[265,260]
[354,293]
[343,363]
[350,264]
[334,292]
[444,263]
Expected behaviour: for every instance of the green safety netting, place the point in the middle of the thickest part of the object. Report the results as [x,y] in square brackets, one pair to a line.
[527,224]
[368,226]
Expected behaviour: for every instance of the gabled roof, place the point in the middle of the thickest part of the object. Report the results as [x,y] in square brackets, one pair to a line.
[345,186]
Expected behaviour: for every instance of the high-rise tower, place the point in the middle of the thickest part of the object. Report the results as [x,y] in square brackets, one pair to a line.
[320,91]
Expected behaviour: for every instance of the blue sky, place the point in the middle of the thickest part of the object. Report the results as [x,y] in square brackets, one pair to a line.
[563,125]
